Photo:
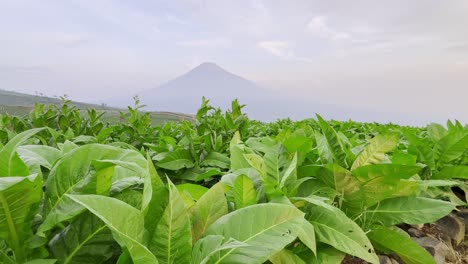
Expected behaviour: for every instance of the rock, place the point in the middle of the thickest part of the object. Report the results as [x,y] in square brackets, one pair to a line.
[436,248]
[463,213]
[453,228]
[418,227]
[387,260]
[414,232]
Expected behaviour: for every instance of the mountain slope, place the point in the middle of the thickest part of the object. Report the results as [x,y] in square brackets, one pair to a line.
[10,98]
[184,93]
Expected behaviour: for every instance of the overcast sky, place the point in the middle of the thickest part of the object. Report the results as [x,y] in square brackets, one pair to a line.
[399,55]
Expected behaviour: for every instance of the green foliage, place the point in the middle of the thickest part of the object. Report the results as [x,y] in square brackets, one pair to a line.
[76,189]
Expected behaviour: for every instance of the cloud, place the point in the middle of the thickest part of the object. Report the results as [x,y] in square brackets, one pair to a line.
[70,39]
[281,49]
[24,69]
[458,48]
[214,42]
[124,16]
[318,25]
[176,20]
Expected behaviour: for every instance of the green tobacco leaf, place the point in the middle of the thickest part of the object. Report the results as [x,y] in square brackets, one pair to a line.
[403,158]
[237,150]
[334,143]
[124,220]
[172,240]
[286,257]
[436,131]
[39,155]
[104,172]
[375,151]
[323,149]
[157,194]
[88,238]
[271,228]
[12,165]
[256,162]
[216,159]
[388,172]
[451,147]
[307,236]
[42,261]
[380,189]
[179,159]
[409,210]
[271,177]
[339,178]
[326,255]
[409,251]
[452,172]
[244,192]
[19,201]
[209,248]
[334,228]
[422,149]
[191,193]
[72,175]
[290,173]
[209,208]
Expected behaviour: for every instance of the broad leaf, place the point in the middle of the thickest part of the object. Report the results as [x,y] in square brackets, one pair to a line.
[422,149]
[271,228]
[12,165]
[179,159]
[237,151]
[87,239]
[307,236]
[436,131]
[73,174]
[387,172]
[375,152]
[39,155]
[323,149]
[451,147]
[211,206]
[409,210]
[334,228]
[124,220]
[286,257]
[244,192]
[327,255]
[172,240]
[216,159]
[338,178]
[19,201]
[409,251]
[208,249]
[452,172]
[333,141]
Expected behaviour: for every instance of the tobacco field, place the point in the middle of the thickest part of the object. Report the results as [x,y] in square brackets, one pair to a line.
[222,188]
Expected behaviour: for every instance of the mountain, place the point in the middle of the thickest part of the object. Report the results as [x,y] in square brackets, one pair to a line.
[183,95]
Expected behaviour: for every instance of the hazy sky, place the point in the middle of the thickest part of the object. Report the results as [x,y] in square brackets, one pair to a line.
[399,55]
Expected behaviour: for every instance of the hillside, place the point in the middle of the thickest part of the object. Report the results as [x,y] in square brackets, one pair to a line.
[21,104]
[10,98]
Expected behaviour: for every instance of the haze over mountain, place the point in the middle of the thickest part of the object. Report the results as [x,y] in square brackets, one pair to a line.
[183,94]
